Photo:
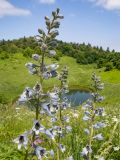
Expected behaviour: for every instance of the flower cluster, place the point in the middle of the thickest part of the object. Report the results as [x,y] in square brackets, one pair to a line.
[91,112]
[48,104]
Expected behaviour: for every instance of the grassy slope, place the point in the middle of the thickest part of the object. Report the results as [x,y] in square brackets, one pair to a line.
[14,77]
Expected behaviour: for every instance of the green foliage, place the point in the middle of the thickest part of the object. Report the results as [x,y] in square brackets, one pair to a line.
[118,65]
[100,63]
[28,52]
[80,58]
[4,55]
[58,55]
[109,66]
[3,99]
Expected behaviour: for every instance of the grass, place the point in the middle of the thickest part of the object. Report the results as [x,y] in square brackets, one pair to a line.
[14,77]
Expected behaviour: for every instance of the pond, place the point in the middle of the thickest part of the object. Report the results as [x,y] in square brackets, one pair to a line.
[77,97]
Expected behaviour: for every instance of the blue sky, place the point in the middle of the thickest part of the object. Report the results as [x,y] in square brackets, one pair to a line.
[93,21]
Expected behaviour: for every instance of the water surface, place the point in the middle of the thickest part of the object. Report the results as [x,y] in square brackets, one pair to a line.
[77,97]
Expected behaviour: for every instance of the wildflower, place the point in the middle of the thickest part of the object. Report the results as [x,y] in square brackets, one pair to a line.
[100,112]
[88,105]
[51,152]
[87,113]
[85,151]
[66,119]
[52,53]
[65,105]
[50,133]
[55,104]
[33,71]
[22,140]
[36,57]
[54,33]
[40,152]
[75,115]
[23,99]
[26,95]
[29,92]
[43,47]
[46,108]
[86,131]
[31,67]
[62,148]
[68,129]
[37,128]
[98,137]
[54,119]
[59,130]
[99,125]
[38,141]
[47,75]
[53,73]
[53,96]
[100,98]
[100,86]
[53,110]
[53,67]
[86,118]
[37,88]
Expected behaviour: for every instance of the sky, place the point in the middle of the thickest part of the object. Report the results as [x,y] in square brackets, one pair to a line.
[90,21]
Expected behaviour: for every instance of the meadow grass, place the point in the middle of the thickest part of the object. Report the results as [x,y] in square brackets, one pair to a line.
[16,121]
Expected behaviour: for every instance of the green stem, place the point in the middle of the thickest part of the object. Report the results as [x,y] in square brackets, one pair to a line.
[58,153]
[90,140]
[26,155]
[37,112]
[42,70]
[91,132]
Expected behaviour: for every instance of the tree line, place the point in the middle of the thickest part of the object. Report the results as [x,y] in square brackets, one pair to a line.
[83,53]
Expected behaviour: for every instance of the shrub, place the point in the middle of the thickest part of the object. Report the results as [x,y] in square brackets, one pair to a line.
[100,63]
[4,55]
[118,65]
[28,52]
[109,66]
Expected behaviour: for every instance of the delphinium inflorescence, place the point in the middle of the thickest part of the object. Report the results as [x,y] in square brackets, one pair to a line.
[92,111]
[50,103]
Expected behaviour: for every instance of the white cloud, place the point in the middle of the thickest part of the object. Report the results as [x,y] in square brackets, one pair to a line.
[7,9]
[107,4]
[47,1]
